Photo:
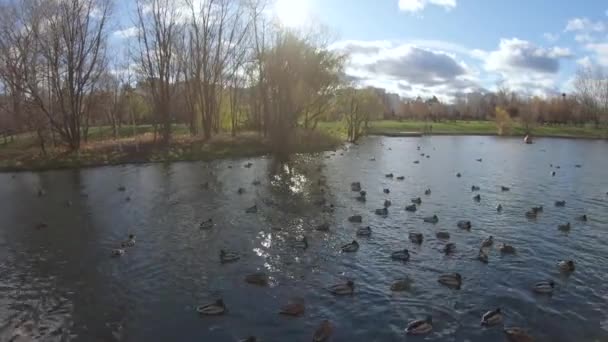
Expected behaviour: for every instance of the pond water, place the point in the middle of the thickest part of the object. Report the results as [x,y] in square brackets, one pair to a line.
[59,283]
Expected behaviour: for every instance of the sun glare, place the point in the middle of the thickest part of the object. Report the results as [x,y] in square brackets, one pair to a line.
[292,13]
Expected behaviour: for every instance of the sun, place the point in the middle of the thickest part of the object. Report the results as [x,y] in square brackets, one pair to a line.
[292,13]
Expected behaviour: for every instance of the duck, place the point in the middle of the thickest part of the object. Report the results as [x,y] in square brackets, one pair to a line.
[411,207]
[372,159]
[544,287]
[259,278]
[226,257]
[505,188]
[482,256]
[355,219]
[416,200]
[382,212]
[564,227]
[560,203]
[207,224]
[387,191]
[443,235]
[578,165]
[355,186]
[323,332]
[492,317]
[416,161]
[362,197]
[538,209]
[343,289]
[506,249]
[431,219]
[389,175]
[302,243]
[453,280]
[252,210]
[205,185]
[364,231]
[249,339]
[323,227]
[122,188]
[130,242]
[248,165]
[402,255]
[487,242]
[256,183]
[350,247]
[42,225]
[422,154]
[420,327]
[499,208]
[401,285]
[428,156]
[387,203]
[118,252]
[449,248]
[566,265]
[464,224]
[213,309]
[479,160]
[552,173]
[400,177]
[477,197]
[515,334]
[240,191]
[582,218]
[458,175]
[531,214]
[475,188]
[416,237]
[427,191]
[293,309]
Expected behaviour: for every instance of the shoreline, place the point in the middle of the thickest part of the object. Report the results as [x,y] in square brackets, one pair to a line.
[390,134]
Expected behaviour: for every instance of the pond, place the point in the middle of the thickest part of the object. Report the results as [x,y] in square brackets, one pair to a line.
[58,281]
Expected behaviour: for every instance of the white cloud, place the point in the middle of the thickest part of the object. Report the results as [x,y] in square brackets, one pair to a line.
[583,38]
[551,37]
[601,52]
[126,33]
[585,62]
[418,5]
[584,24]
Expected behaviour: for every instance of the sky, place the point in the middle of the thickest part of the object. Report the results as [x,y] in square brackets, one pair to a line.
[450,47]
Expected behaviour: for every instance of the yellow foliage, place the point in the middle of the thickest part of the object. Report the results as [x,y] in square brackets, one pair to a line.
[503,121]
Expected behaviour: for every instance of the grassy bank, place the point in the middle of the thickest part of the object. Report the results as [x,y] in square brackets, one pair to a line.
[139,147]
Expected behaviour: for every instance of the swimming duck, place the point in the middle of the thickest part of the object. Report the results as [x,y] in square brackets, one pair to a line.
[537,209]
[386,191]
[531,214]
[482,256]
[431,219]
[343,289]
[240,191]
[355,186]
[505,188]
[453,280]
[428,156]
[427,191]
[449,248]
[130,242]
[560,203]
[372,159]
[41,226]
[564,227]
[252,210]
[364,231]
[403,255]
[416,200]
[443,235]
[475,188]
[491,317]
[458,175]
[418,148]
[259,279]
[292,309]
[552,173]
[387,203]
[118,252]
[487,242]
[515,334]
[464,224]
[416,237]
[226,257]
[212,309]
[248,165]
[323,227]
[506,249]
[249,339]
[582,218]
[256,182]
[411,207]
[422,154]
[323,332]
[301,244]
[401,178]
[416,162]
[479,160]
[545,287]
[355,219]
[128,199]
[566,265]
[389,175]
[499,208]
[122,188]
[207,224]
[477,197]
[350,247]
[401,285]
[382,212]
[558,167]
[578,165]
[420,327]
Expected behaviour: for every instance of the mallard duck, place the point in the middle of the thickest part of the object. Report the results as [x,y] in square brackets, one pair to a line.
[302,243]
[477,197]
[118,252]
[127,199]
[531,214]
[372,159]
[453,280]
[558,167]
[505,188]
[389,175]
[515,334]
[416,161]
[207,224]
[387,191]
[364,231]
[488,242]
[566,265]
[212,309]
[401,285]
[130,242]
[249,339]
[420,327]
[292,309]
[355,219]
[443,235]
[431,219]
[323,332]
[260,279]
[506,249]
[226,257]
[464,224]
[479,160]
[248,165]
[411,207]
[418,148]
[416,200]
[544,287]
[416,237]
[252,210]
[537,209]
[422,154]
[499,208]
[361,198]
[427,191]
[256,183]
[350,247]
[362,193]
[400,177]
[403,255]
[564,227]
[323,227]
[491,317]
[387,203]
[560,203]
[122,188]
[475,188]
[449,248]
[582,218]
[552,173]
[381,212]
[240,191]
[343,289]
[428,156]
[458,175]
[578,165]
[482,256]
[355,186]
